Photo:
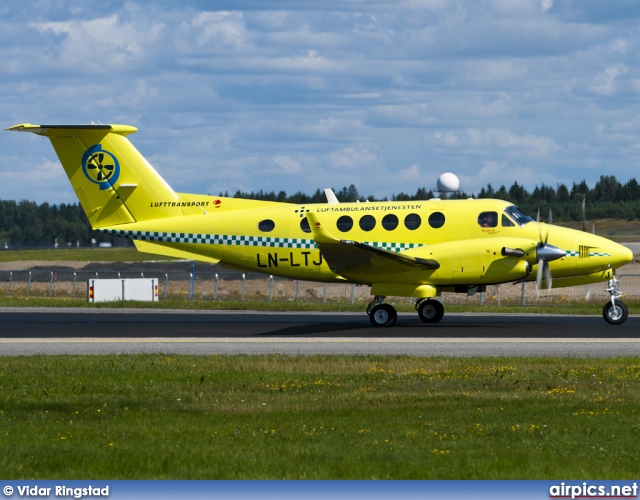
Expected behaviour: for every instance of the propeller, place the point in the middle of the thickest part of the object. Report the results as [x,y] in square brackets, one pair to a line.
[593,230]
[545,253]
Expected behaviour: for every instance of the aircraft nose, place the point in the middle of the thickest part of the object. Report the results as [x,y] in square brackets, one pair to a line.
[620,255]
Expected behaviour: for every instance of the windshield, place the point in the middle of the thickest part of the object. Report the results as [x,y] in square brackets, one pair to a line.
[519,217]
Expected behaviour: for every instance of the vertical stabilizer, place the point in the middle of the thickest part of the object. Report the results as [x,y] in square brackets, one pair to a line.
[113,181]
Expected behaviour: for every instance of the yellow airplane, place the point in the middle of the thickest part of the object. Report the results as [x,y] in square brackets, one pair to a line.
[411,249]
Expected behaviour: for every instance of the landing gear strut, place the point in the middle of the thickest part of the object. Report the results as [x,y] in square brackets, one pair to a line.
[615,312]
[429,310]
[381,314]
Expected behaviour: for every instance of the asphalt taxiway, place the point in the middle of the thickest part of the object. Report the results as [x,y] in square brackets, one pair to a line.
[127,331]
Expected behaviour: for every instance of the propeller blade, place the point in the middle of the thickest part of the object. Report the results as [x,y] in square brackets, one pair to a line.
[547,276]
[539,274]
[584,215]
[550,216]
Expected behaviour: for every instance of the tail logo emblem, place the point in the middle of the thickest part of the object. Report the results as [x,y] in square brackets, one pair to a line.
[100,166]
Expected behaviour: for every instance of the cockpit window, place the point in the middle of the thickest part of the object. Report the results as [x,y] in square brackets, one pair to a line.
[517,215]
[506,222]
[488,219]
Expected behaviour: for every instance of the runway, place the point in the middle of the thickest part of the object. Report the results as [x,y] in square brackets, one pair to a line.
[129,331]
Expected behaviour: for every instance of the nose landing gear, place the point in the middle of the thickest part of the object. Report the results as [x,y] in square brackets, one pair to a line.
[615,312]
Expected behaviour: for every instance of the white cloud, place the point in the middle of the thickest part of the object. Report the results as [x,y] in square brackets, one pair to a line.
[288,164]
[606,83]
[385,95]
[504,174]
[546,4]
[101,45]
[411,174]
[476,140]
[619,45]
[219,30]
[352,158]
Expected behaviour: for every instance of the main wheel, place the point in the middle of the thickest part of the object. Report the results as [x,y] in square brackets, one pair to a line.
[615,315]
[383,315]
[431,311]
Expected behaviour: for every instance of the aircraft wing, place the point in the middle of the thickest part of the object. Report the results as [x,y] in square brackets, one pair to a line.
[343,256]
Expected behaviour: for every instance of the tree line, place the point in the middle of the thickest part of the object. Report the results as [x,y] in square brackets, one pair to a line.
[27,224]
[609,198]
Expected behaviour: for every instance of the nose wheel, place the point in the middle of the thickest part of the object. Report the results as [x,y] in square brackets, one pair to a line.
[616,311]
[615,314]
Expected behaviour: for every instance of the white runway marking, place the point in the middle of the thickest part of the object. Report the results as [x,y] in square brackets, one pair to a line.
[323,340]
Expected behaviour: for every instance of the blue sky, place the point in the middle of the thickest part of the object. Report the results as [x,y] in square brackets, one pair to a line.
[296,95]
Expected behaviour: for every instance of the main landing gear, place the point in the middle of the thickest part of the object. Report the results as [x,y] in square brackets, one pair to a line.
[615,312]
[381,314]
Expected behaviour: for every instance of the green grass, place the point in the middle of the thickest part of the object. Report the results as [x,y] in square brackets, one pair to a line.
[319,417]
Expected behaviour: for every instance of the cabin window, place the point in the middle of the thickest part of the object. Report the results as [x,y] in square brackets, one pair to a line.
[345,223]
[367,222]
[506,222]
[266,225]
[390,222]
[304,225]
[412,221]
[436,220]
[488,219]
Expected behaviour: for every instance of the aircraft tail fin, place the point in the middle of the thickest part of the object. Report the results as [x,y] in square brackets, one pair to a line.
[113,181]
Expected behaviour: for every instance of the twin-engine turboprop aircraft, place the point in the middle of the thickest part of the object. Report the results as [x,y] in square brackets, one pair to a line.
[412,249]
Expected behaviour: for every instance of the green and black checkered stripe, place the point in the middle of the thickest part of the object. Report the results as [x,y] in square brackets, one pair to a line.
[394,247]
[252,241]
[576,253]
[215,239]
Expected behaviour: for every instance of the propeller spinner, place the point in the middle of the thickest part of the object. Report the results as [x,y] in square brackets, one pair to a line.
[546,253]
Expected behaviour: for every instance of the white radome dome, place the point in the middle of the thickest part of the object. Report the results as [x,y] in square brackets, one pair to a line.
[448,182]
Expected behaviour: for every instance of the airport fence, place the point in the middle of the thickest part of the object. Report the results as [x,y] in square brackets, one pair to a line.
[238,286]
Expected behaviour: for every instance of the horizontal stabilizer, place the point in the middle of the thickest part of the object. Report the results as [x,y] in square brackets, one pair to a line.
[159,249]
[68,130]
